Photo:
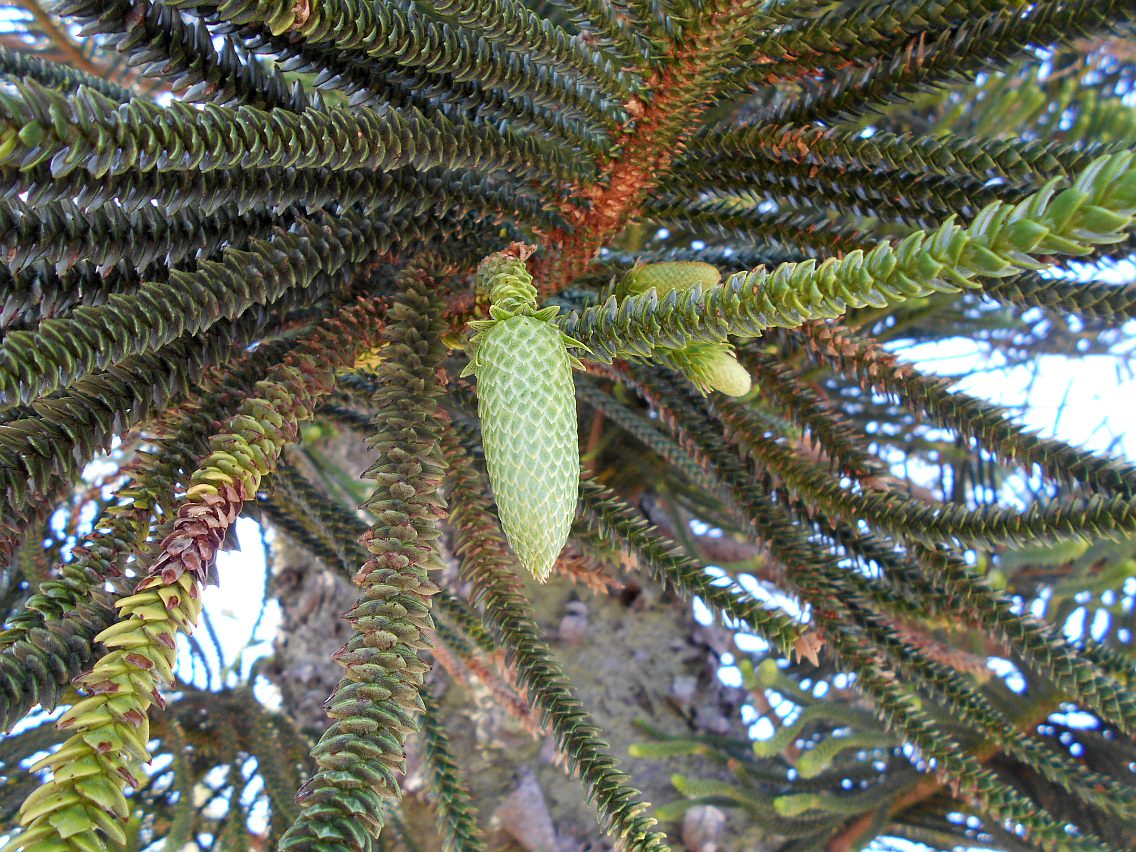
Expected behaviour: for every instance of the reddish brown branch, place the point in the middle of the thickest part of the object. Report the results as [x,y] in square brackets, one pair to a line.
[855,833]
[660,125]
[61,39]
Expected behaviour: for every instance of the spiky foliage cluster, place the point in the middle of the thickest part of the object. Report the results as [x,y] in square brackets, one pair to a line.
[225,223]
[374,705]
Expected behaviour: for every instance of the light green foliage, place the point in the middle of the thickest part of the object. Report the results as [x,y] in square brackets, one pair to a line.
[1004,239]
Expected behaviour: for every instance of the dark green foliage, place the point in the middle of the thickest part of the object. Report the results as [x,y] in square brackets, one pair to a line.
[486,563]
[626,529]
[246,137]
[222,222]
[972,418]
[56,75]
[455,814]
[375,703]
[935,58]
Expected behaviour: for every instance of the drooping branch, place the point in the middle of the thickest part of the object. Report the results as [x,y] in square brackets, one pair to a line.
[125,682]
[1003,239]
[375,704]
[485,563]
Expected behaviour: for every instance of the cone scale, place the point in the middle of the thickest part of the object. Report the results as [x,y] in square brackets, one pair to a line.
[527,407]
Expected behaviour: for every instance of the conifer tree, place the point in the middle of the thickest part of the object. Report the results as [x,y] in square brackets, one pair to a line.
[585,277]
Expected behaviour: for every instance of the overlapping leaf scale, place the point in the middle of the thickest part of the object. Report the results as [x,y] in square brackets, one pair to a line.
[160,43]
[39,292]
[529,432]
[89,131]
[55,75]
[61,232]
[375,704]
[1001,241]
[1024,163]
[457,818]
[382,31]
[511,23]
[372,82]
[1092,300]
[609,30]
[749,218]
[917,201]
[929,61]
[241,190]
[61,351]
[862,30]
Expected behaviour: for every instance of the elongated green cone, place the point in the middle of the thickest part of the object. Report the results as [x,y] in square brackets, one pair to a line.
[527,405]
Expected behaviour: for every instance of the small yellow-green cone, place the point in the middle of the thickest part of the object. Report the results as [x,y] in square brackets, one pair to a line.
[668,275]
[713,367]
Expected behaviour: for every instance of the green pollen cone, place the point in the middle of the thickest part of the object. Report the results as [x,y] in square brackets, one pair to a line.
[713,367]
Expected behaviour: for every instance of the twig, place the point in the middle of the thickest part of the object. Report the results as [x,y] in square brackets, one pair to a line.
[61,39]
[855,833]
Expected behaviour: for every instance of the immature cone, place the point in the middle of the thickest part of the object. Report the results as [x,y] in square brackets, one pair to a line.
[668,275]
[527,405]
[709,366]
[713,367]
